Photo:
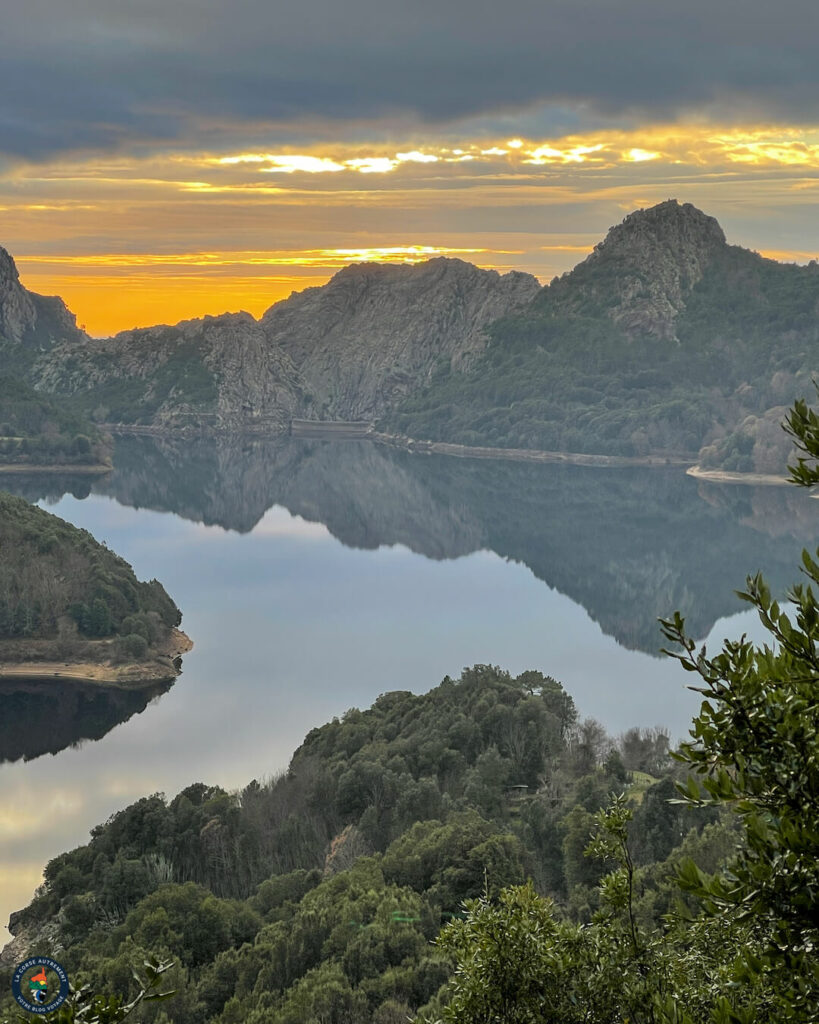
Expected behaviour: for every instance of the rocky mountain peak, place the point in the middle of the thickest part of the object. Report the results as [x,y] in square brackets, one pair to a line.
[375,332]
[669,225]
[17,312]
[642,272]
[31,321]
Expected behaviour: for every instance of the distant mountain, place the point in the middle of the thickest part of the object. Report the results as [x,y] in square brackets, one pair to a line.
[666,339]
[38,429]
[347,350]
[375,333]
[218,372]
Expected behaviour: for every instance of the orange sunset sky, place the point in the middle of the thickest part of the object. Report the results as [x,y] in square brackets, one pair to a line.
[132,240]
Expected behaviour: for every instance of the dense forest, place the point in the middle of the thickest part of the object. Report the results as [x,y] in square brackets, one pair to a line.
[57,583]
[316,897]
[567,375]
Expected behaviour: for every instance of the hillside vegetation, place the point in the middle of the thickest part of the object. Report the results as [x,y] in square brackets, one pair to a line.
[317,896]
[40,430]
[665,340]
[58,584]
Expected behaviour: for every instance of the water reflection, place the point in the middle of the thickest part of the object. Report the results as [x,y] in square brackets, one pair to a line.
[315,575]
[630,545]
[39,718]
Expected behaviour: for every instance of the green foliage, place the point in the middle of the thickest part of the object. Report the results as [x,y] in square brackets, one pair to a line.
[510,967]
[741,946]
[40,429]
[52,573]
[756,748]
[317,896]
[802,423]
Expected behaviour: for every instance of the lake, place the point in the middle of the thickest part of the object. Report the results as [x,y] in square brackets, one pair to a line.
[315,575]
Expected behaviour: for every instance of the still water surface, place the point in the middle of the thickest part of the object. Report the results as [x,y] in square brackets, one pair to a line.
[315,576]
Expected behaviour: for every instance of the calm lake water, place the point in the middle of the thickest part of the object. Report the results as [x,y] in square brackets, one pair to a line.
[314,576]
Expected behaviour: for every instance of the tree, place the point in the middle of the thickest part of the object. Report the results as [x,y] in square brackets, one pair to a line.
[802,423]
[512,962]
[755,748]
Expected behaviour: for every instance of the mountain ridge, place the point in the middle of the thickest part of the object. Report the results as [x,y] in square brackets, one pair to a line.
[665,339]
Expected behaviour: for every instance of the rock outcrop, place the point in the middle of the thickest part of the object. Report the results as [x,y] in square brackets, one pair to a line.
[31,323]
[375,333]
[347,350]
[644,269]
[219,371]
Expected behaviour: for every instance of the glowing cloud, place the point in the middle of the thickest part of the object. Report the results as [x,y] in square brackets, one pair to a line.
[547,200]
[636,155]
[372,164]
[416,157]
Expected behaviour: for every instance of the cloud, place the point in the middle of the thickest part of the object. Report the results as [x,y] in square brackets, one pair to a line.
[124,74]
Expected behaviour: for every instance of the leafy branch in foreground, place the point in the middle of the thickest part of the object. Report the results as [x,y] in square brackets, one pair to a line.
[755,748]
[83,1006]
[802,423]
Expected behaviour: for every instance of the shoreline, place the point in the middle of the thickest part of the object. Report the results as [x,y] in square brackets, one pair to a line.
[463,451]
[98,469]
[135,675]
[337,430]
[724,476]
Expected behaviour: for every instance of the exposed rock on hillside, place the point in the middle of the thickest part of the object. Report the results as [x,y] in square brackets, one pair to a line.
[375,332]
[32,322]
[643,271]
[662,341]
[218,371]
[347,350]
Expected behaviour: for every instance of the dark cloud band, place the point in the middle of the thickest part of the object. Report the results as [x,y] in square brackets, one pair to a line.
[111,73]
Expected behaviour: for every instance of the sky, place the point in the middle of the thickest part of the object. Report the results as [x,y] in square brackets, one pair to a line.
[164,160]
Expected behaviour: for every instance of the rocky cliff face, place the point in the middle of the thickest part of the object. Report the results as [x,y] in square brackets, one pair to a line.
[375,333]
[31,323]
[643,271]
[218,371]
[347,350]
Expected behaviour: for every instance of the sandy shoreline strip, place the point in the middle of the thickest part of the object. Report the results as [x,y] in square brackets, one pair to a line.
[128,676]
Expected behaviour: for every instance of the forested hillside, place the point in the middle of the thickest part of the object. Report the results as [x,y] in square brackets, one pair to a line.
[316,897]
[58,584]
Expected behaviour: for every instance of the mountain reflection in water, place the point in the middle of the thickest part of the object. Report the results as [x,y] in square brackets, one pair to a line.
[629,545]
[292,626]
